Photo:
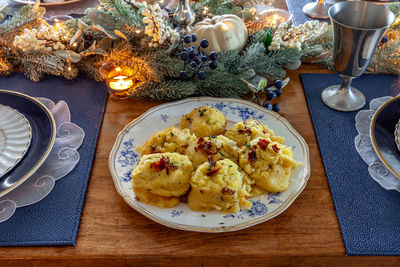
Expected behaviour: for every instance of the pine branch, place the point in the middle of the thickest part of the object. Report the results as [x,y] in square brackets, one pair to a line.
[221,84]
[35,65]
[6,68]
[167,90]
[23,16]
[125,13]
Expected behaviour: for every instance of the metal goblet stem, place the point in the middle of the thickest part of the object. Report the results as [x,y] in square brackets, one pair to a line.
[318,10]
[357,29]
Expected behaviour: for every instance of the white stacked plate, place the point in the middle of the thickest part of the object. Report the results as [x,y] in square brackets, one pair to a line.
[397,135]
[15,138]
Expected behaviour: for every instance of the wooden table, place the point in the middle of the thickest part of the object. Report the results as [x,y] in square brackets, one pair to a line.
[112,233]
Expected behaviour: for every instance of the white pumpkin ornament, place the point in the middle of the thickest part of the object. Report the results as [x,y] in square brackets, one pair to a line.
[223,33]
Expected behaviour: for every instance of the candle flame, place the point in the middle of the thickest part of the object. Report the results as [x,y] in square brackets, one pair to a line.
[120,83]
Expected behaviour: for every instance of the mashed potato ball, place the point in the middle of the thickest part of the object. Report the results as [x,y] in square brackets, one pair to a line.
[204,121]
[268,163]
[218,186]
[145,196]
[245,131]
[162,174]
[171,139]
[219,147]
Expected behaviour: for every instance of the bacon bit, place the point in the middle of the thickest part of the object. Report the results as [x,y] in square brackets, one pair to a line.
[228,191]
[212,171]
[263,143]
[264,132]
[201,191]
[204,147]
[276,148]
[255,146]
[154,150]
[137,198]
[252,155]
[162,164]
[247,130]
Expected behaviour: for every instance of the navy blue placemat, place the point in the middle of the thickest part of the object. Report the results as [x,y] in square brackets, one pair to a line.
[55,219]
[295,7]
[368,215]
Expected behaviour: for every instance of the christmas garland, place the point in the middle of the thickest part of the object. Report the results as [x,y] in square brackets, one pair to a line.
[144,34]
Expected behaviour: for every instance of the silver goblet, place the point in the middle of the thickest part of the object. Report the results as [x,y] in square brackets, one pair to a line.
[317,10]
[357,29]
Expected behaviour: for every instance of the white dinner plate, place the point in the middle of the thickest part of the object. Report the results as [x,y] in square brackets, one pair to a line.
[25,2]
[123,159]
[15,138]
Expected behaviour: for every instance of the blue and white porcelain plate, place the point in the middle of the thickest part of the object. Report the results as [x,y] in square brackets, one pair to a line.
[124,157]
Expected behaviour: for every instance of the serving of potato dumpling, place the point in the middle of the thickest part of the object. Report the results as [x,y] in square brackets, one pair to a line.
[268,163]
[245,131]
[218,186]
[204,121]
[162,174]
[218,146]
[171,139]
[212,168]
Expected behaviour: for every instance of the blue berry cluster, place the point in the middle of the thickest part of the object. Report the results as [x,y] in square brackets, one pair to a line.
[194,57]
[272,91]
[385,39]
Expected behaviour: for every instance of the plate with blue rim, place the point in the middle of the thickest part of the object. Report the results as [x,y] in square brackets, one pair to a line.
[43,134]
[124,158]
[383,134]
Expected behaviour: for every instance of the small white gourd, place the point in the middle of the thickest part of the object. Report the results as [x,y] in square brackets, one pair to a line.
[223,33]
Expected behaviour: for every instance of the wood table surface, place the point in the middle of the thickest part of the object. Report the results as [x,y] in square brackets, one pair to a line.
[112,233]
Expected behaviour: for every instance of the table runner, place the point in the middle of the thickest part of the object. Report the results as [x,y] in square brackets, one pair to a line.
[55,219]
[368,215]
[295,7]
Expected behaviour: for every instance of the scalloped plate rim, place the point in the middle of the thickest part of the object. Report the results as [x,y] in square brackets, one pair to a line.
[153,217]
[27,144]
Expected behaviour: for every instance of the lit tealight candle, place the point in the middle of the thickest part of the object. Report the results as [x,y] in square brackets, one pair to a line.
[119,83]
[119,77]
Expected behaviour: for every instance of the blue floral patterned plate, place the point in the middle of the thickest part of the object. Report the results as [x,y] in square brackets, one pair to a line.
[123,159]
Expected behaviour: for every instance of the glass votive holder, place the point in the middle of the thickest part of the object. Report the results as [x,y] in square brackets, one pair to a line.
[273,17]
[57,21]
[119,77]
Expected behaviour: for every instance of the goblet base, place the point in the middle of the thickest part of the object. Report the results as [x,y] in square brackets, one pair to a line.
[316,10]
[343,100]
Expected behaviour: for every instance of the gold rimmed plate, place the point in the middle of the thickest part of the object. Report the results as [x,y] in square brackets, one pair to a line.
[124,157]
[383,137]
[43,130]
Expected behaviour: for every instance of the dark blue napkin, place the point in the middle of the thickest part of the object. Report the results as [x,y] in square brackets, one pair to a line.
[55,219]
[295,7]
[368,215]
